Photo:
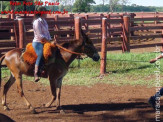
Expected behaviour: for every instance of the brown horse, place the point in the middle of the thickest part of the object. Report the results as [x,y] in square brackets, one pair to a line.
[55,70]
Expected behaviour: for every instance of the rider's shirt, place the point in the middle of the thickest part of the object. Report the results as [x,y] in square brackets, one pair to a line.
[40,28]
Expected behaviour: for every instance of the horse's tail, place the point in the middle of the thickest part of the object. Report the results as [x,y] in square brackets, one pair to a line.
[1,60]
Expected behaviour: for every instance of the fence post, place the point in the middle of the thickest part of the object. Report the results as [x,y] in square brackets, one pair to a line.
[86,24]
[156,22]
[108,26]
[12,17]
[71,16]
[16,31]
[103,47]
[77,28]
[56,19]
[132,23]
[126,34]
[56,26]
[142,16]
[101,15]
[77,24]
[21,33]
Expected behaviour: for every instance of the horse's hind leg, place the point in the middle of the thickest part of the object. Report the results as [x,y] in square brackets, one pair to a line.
[5,90]
[18,78]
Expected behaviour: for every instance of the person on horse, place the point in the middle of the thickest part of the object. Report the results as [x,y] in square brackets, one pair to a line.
[41,35]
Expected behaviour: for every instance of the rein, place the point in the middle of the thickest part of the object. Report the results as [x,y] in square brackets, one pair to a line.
[69,51]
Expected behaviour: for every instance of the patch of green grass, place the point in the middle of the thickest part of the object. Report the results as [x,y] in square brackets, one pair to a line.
[145,22]
[122,69]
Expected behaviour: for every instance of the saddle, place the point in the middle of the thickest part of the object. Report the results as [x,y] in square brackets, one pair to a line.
[30,57]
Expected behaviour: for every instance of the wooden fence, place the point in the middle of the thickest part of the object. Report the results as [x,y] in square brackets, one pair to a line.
[128,26]
[105,28]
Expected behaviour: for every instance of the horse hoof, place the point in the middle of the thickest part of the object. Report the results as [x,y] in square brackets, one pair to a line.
[62,112]
[34,111]
[6,108]
[46,105]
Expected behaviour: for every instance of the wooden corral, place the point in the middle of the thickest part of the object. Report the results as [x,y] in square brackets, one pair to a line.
[122,27]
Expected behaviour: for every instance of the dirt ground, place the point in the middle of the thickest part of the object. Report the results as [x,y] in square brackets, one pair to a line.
[98,103]
[101,102]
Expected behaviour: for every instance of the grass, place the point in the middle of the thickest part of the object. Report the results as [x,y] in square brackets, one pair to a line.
[122,69]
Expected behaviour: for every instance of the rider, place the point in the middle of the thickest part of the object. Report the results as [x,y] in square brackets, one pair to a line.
[41,35]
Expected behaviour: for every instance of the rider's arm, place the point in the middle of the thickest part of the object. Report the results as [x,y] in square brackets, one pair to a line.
[159,57]
[155,59]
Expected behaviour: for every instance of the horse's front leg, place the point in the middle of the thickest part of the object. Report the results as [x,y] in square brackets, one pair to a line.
[56,93]
[50,102]
[53,91]
[58,90]
[18,77]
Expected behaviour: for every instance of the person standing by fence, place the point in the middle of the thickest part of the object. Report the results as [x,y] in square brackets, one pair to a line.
[153,99]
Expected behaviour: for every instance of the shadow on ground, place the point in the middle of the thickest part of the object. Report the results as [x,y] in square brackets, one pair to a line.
[134,111]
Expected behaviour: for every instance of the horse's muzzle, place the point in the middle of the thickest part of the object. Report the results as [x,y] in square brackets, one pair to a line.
[96,57]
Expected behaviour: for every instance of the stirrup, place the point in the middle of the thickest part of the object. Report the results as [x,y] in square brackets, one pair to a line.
[36,79]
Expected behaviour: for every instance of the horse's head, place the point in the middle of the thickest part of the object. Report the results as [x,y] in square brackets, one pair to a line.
[88,48]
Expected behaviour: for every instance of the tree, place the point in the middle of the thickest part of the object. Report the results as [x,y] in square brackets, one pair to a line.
[82,5]
[113,4]
[67,4]
[123,2]
[103,2]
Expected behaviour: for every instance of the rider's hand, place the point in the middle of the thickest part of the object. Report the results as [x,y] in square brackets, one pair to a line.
[44,40]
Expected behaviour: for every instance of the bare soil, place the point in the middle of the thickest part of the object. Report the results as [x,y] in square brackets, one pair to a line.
[101,102]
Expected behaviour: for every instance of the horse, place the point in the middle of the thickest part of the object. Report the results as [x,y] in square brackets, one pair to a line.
[65,54]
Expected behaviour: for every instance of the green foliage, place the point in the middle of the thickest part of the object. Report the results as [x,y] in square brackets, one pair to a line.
[6,6]
[100,8]
[126,8]
[82,5]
